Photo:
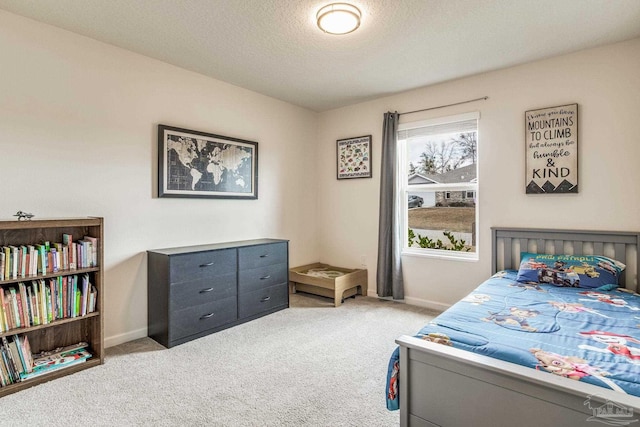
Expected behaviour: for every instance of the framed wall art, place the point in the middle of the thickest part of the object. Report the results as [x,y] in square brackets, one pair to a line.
[199,164]
[552,150]
[354,157]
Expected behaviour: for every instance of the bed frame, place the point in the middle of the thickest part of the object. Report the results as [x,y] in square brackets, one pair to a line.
[351,283]
[445,386]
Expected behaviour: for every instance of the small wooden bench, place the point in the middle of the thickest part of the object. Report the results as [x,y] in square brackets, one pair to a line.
[338,283]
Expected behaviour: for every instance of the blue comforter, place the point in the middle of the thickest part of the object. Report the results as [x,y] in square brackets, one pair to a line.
[589,335]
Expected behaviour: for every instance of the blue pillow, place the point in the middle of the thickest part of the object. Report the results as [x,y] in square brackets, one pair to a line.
[583,271]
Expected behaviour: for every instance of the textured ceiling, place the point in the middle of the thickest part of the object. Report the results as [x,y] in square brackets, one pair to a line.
[274,47]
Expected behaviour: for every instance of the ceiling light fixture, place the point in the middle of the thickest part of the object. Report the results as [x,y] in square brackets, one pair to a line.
[338,18]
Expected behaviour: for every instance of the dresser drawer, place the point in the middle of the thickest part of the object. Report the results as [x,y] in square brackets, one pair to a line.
[196,292]
[193,266]
[193,320]
[262,255]
[262,277]
[262,300]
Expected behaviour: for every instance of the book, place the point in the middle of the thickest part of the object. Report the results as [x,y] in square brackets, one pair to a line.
[92,300]
[7,262]
[49,268]
[14,262]
[17,358]
[33,304]
[3,315]
[26,351]
[42,259]
[48,302]
[22,289]
[60,283]
[5,374]
[73,256]
[14,375]
[24,260]
[65,290]
[65,257]
[42,288]
[59,358]
[17,307]
[67,241]
[24,359]
[53,255]
[8,309]
[93,254]
[84,294]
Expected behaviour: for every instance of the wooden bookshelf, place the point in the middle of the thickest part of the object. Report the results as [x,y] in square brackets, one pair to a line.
[62,332]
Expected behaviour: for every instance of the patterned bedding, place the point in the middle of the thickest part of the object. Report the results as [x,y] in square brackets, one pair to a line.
[590,335]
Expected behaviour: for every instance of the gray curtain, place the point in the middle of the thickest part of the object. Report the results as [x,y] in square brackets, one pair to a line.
[389,275]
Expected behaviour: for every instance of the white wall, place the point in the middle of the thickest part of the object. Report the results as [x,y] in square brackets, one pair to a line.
[78,137]
[605,82]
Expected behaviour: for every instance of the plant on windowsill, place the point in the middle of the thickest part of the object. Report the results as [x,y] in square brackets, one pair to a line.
[427,243]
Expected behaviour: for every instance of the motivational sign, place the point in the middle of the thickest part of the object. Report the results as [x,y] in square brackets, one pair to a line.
[552,150]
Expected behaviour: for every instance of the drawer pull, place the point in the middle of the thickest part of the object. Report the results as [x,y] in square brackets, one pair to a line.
[206,316]
[268,276]
[209,264]
[264,256]
[265,299]
[204,291]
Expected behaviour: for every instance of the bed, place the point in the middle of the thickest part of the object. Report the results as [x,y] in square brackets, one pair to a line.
[490,359]
[328,281]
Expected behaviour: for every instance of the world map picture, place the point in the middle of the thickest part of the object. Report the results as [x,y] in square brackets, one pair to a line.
[206,165]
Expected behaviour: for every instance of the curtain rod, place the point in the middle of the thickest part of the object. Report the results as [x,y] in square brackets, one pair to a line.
[484,98]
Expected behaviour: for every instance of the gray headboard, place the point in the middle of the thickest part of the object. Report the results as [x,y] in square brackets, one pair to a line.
[508,243]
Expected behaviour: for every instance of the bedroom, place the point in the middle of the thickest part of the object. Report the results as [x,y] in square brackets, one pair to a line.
[110,142]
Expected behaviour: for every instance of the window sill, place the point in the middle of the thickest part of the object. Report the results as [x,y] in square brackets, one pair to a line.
[440,254]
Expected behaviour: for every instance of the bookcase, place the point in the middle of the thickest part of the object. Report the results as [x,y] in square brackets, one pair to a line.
[63,331]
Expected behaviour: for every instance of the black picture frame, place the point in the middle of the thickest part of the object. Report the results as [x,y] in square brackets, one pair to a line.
[353,157]
[551,150]
[198,164]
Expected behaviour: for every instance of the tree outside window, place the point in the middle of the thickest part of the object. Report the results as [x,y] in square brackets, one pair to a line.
[438,166]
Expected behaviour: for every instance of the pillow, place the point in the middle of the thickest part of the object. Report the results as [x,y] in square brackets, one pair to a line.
[584,271]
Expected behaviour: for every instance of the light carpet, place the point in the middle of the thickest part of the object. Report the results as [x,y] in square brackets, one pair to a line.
[309,365]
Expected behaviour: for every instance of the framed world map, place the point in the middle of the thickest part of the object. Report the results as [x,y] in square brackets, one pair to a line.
[199,164]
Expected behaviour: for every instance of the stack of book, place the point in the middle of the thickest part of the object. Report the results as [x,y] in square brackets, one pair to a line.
[46,300]
[18,364]
[23,261]
[57,359]
[15,359]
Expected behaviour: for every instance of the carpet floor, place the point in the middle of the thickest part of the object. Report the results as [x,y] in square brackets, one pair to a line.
[309,365]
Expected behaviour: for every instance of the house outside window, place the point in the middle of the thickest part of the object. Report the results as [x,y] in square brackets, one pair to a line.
[438,175]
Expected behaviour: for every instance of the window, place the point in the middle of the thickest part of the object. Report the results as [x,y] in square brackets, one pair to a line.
[438,175]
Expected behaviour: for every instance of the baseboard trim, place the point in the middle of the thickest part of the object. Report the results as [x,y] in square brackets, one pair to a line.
[126,337]
[433,305]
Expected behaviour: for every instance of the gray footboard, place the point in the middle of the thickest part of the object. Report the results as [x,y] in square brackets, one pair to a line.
[444,386]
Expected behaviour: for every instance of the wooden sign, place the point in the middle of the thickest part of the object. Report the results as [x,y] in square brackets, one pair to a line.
[552,150]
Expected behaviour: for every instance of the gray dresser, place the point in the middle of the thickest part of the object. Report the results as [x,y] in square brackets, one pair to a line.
[197,290]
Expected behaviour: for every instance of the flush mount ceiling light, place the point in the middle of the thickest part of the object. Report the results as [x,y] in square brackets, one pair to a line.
[338,18]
